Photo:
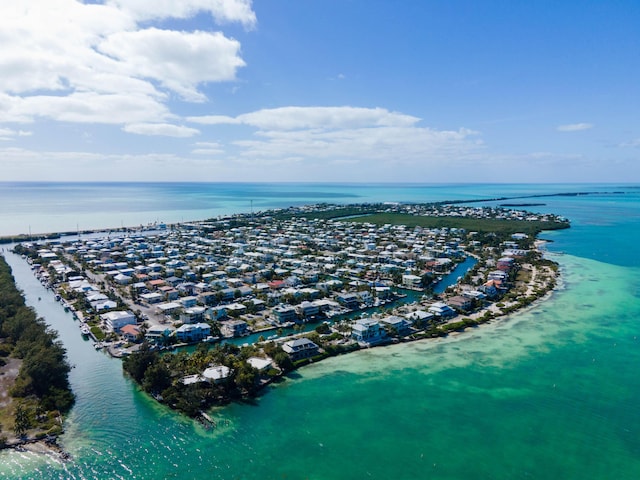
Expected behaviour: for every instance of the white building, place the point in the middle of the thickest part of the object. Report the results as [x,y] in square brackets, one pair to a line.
[115,320]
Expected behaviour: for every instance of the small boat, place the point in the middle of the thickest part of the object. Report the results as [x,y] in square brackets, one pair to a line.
[85,330]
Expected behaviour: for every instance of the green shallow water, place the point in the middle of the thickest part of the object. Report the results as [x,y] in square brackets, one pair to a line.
[549,393]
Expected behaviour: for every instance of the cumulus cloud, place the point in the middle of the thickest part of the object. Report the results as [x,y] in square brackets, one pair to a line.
[343,134]
[292,118]
[104,63]
[178,61]
[223,11]
[164,129]
[574,127]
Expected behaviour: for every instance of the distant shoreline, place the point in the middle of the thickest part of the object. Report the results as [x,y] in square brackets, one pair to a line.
[23,237]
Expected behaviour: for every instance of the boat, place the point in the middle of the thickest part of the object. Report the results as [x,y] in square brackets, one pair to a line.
[85,330]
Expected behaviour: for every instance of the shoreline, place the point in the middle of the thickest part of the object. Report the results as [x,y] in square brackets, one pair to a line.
[40,446]
[518,292]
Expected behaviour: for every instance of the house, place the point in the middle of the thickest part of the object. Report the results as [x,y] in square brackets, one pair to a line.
[367,331]
[497,275]
[383,293]
[421,317]
[192,315]
[235,309]
[234,328]
[102,305]
[324,304]
[397,324]
[460,303]
[216,313]
[216,373]
[158,333]
[505,263]
[474,294]
[188,302]
[442,310]
[170,293]
[151,298]
[258,304]
[207,298]
[121,279]
[191,333]
[285,313]
[307,309]
[131,333]
[349,300]
[260,364]
[115,320]
[300,348]
[155,284]
[365,297]
[490,288]
[411,281]
[168,308]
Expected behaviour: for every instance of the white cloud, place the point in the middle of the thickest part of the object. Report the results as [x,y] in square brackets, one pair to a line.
[375,137]
[163,129]
[10,134]
[292,118]
[67,60]
[223,11]
[207,151]
[574,127]
[208,148]
[384,144]
[86,107]
[177,60]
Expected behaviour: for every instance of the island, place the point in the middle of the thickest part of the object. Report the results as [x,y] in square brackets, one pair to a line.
[264,293]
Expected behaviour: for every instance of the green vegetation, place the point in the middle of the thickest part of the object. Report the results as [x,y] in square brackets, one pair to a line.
[42,383]
[331,212]
[161,375]
[493,225]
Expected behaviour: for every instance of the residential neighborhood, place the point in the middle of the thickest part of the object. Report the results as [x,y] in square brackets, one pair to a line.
[310,286]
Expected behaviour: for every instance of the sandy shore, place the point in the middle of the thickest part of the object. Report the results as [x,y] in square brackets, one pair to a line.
[40,447]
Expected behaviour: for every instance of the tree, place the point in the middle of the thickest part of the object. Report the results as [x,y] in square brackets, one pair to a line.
[21,421]
[156,378]
[283,361]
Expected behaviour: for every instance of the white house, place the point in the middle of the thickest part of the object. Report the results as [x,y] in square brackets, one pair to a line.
[117,319]
[441,309]
[367,331]
[193,332]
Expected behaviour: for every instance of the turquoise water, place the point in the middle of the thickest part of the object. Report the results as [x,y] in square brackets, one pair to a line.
[552,392]
[54,207]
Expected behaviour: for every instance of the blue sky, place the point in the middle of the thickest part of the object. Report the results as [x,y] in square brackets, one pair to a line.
[320,90]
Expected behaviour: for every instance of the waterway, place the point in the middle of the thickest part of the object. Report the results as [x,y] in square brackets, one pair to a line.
[549,393]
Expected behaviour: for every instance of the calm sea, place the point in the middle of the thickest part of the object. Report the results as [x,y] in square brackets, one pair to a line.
[551,393]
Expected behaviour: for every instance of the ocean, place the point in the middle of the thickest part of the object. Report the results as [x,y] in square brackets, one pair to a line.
[550,392]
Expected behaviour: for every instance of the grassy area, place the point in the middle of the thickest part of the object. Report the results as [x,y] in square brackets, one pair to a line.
[98,333]
[469,224]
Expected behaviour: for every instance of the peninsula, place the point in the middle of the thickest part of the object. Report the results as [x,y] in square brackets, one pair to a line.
[34,384]
[264,293]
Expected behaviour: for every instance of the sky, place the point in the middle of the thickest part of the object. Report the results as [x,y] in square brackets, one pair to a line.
[421,91]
